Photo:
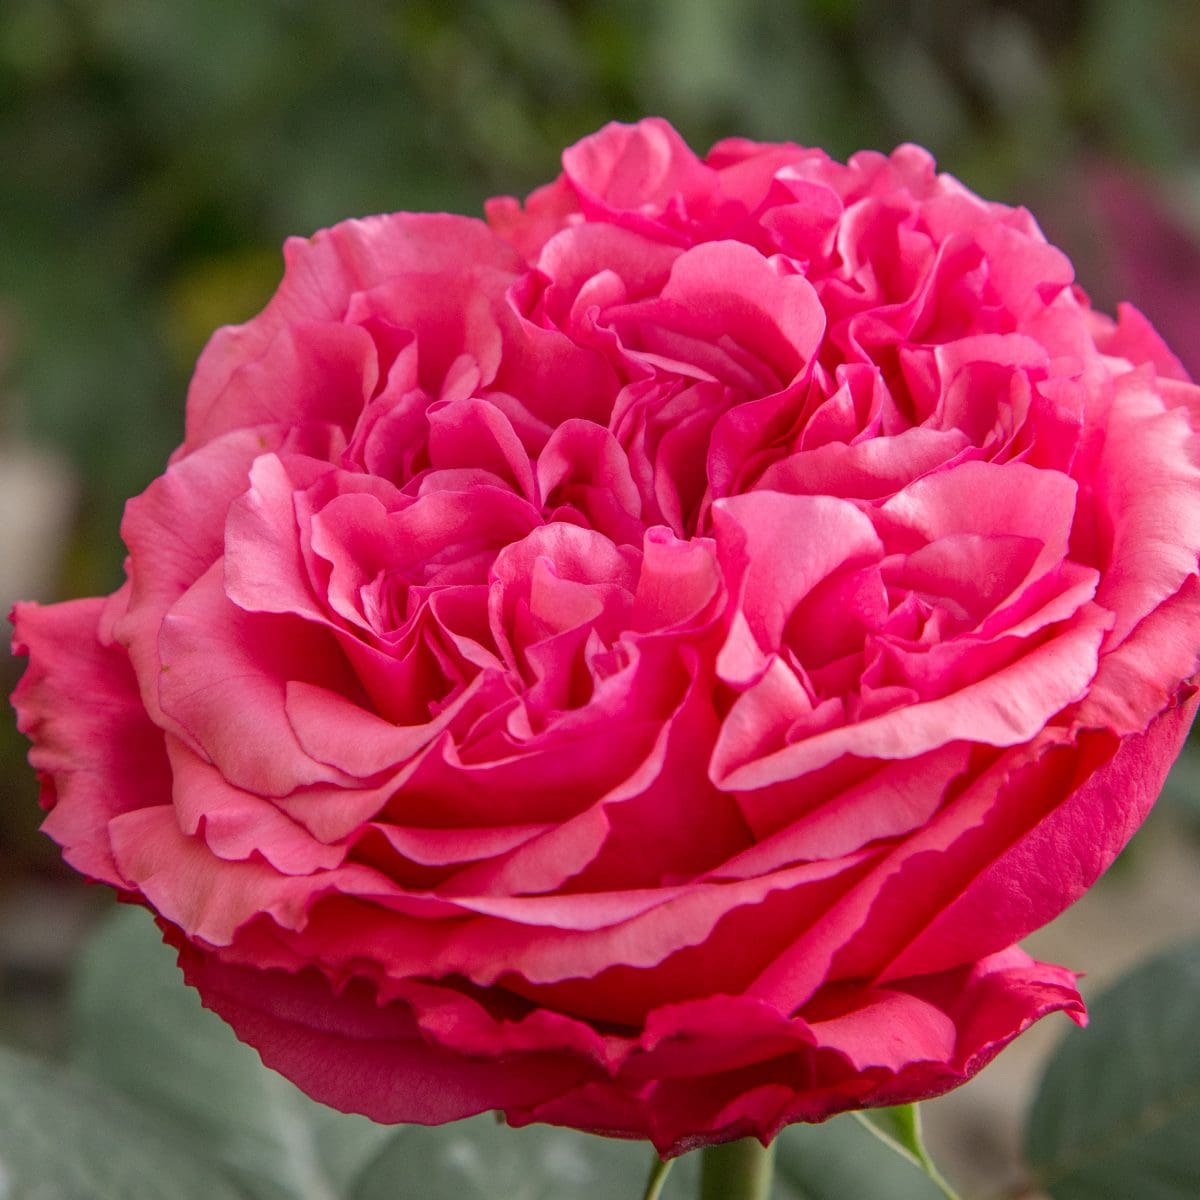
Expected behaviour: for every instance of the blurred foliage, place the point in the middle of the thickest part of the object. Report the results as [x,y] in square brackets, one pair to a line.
[1117,1113]
[156,154]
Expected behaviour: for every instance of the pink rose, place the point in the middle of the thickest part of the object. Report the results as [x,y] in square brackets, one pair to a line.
[641,663]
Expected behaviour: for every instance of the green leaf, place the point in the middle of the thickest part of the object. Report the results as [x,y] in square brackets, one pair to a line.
[1118,1111]
[66,1137]
[899,1128]
[483,1158]
[841,1159]
[140,1030]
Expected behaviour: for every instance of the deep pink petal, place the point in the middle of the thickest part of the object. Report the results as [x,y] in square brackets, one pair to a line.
[356,1056]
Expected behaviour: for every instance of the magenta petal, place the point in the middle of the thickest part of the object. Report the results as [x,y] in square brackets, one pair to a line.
[723,294]
[96,760]
[356,1056]
[1059,857]
[1134,338]
[636,168]
[889,1029]
[474,433]
[1148,477]
[1006,709]
[815,535]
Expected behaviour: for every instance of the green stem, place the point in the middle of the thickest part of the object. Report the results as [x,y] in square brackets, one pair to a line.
[940,1181]
[737,1171]
[658,1178]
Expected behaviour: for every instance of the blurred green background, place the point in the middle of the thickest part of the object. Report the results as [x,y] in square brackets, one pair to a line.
[154,155]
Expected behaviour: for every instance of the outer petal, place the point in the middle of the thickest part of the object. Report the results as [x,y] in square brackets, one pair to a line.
[727,1067]
[1031,879]
[97,759]
[357,1056]
[1148,480]
[323,273]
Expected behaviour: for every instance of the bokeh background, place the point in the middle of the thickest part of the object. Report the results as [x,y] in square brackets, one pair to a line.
[154,155]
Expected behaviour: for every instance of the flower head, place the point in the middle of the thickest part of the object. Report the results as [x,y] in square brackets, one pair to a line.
[641,663]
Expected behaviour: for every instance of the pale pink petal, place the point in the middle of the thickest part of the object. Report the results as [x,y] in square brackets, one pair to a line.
[222,682]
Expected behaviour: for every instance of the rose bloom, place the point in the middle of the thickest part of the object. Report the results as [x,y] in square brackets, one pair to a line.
[642,662]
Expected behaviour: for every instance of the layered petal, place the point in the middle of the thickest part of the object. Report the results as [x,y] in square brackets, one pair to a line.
[641,663]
